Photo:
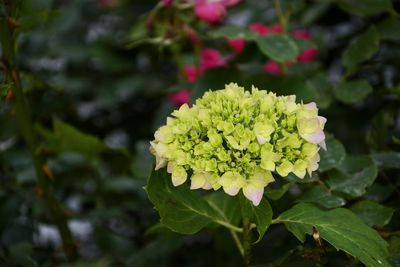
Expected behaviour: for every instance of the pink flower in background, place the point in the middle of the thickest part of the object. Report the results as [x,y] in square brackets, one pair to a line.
[167,3]
[212,12]
[211,58]
[237,45]
[264,30]
[259,28]
[179,98]
[272,67]
[191,73]
[301,34]
[307,55]
[276,29]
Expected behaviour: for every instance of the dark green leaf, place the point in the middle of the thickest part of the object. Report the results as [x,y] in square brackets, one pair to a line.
[341,228]
[352,91]
[387,159]
[181,209]
[353,176]
[261,215]
[280,48]
[276,194]
[233,32]
[228,207]
[365,7]
[322,197]
[394,250]
[362,48]
[389,29]
[333,155]
[372,213]
[67,138]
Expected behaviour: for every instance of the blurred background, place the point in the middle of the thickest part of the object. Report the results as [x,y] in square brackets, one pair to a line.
[100,76]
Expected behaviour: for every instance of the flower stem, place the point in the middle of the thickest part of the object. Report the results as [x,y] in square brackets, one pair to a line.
[247,241]
[27,130]
[282,18]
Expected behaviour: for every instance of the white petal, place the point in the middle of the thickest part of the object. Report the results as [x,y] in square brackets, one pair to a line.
[198,181]
[253,193]
[261,140]
[231,190]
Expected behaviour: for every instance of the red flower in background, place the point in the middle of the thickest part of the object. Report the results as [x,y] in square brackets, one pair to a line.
[212,12]
[307,55]
[259,28]
[301,34]
[272,67]
[167,3]
[211,58]
[179,98]
[264,30]
[237,45]
[191,73]
[276,28]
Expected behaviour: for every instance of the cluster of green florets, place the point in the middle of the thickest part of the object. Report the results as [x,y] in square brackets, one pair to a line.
[234,139]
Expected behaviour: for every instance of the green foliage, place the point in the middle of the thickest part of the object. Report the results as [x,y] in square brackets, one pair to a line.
[333,156]
[352,91]
[362,48]
[278,47]
[339,227]
[372,213]
[182,210]
[365,8]
[353,176]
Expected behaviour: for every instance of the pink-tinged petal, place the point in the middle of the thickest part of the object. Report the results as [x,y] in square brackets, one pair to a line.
[323,145]
[210,12]
[253,193]
[237,45]
[301,34]
[261,140]
[307,55]
[191,73]
[316,137]
[272,67]
[259,28]
[179,98]
[322,121]
[311,105]
[211,58]
[231,190]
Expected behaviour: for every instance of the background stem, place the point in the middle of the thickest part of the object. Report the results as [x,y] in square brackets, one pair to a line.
[25,124]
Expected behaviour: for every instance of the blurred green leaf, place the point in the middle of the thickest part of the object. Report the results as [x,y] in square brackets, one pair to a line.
[67,138]
[280,48]
[379,192]
[365,7]
[361,48]
[394,250]
[352,91]
[277,193]
[181,209]
[321,197]
[233,32]
[372,213]
[261,215]
[333,155]
[22,255]
[389,29]
[353,176]
[341,228]
[387,159]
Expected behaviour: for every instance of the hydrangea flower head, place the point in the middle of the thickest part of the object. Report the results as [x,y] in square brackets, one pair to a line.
[235,139]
